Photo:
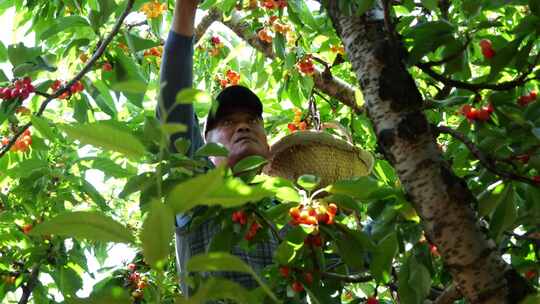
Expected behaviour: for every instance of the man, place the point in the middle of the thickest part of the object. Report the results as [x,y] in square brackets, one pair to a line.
[237,124]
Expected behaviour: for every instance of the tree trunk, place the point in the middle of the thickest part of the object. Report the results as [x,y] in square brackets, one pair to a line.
[443,201]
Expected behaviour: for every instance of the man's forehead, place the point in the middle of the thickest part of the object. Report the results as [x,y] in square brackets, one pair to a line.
[231,112]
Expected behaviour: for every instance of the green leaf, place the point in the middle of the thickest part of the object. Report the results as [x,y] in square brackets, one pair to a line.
[138,183]
[156,235]
[223,240]
[212,149]
[503,56]
[430,4]
[3,52]
[194,191]
[279,45]
[91,191]
[28,167]
[90,225]
[61,24]
[67,280]
[364,6]
[406,292]
[361,188]
[106,135]
[127,76]
[222,261]
[42,125]
[138,44]
[219,289]
[249,163]
[505,215]
[19,54]
[381,265]
[234,192]
[534,5]
[111,168]
[419,279]
[308,182]
[286,252]
[190,95]
[532,299]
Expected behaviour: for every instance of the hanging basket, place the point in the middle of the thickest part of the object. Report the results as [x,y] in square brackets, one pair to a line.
[320,154]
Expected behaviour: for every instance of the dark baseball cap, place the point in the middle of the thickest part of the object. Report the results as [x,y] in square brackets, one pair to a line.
[233,99]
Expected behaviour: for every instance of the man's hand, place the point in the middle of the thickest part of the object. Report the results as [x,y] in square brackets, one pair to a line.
[184,17]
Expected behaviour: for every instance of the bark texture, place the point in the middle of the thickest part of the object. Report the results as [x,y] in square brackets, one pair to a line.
[443,201]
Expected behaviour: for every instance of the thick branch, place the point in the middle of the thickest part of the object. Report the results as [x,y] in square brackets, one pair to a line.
[448,296]
[485,161]
[324,82]
[77,77]
[30,284]
[212,16]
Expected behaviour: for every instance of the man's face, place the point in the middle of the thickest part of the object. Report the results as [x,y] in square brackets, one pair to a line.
[242,133]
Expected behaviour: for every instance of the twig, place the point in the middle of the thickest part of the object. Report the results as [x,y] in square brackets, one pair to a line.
[502,86]
[77,77]
[448,296]
[270,224]
[212,16]
[449,57]
[30,284]
[485,161]
[353,278]
[46,95]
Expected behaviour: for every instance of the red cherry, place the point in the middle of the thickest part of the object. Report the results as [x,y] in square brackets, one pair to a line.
[135,277]
[308,277]
[531,274]
[297,286]
[323,218]
[215,40]
[294,212]
[485,44]
[489,108]
[292,127]
[56,85]
[131,267]
[107,67]
[372,300]
[27,228]
[532,95]
[284,271]
[524,158]
[536,179]
[332,208]
[434,250]
[482,115]
[488,53]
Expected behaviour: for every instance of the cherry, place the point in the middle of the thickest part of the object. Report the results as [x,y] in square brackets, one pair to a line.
[531,274]
[485,44]
[488,53]
[536,179]
[434,250]
[292,127]
[27,228]
[215,40]
[233,77]
[131,267]
[264,36]
[308,277]
[372,300]
[524,158]
[284,271]
[137,294]
[107,67]
[297,286]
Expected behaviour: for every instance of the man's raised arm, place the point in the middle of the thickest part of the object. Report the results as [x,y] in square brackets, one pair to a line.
[177,72]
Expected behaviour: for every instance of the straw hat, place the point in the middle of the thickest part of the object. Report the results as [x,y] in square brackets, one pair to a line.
[320,154]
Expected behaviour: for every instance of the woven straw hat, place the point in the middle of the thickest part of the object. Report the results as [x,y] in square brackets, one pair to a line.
[320,154]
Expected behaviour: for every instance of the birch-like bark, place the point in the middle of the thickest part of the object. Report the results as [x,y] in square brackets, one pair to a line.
[443,201]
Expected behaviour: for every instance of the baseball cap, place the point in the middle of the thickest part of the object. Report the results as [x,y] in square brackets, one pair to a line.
[229,100]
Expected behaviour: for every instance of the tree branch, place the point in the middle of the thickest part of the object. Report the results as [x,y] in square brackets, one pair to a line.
[449,57]
[79,76]
[30,284]
[484,160]
[212,16]
[324,82]
[502,86]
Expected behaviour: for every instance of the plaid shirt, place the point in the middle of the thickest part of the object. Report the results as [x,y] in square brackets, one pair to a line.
[190,242]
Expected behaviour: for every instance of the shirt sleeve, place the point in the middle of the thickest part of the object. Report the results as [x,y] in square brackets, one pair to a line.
[177,74]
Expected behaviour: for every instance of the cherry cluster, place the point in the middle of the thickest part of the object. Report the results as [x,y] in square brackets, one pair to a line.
[21,89]
[293,275]
[241,218]
[308,215]
[77,87]
[232,78]
[298,123]
[477,114]
[525,100]
[136,281]
[22,143]
[273,4]
[264,35]
[155,51]
[305,65]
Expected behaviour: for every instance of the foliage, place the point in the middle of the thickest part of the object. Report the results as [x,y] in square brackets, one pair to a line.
[371,245]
